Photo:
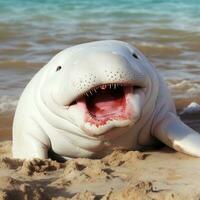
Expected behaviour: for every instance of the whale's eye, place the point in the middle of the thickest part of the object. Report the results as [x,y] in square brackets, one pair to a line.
[135,55]
[58,68]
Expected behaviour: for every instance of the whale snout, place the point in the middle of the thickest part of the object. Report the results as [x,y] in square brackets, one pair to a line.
[100,68]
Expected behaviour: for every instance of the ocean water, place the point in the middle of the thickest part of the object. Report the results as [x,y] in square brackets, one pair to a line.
[31,32]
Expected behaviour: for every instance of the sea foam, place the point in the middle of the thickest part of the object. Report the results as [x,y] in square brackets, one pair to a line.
[7,103]
[191,108]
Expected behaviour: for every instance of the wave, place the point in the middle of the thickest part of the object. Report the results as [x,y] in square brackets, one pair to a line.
[191,108]
[184,88]
[8,103]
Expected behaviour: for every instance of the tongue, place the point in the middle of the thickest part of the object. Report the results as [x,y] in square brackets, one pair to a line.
[106,103]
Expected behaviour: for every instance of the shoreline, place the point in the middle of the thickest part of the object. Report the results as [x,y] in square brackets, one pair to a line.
[6,120]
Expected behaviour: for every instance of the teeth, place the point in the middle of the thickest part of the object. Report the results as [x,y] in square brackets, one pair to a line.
[91,115]
[104,87]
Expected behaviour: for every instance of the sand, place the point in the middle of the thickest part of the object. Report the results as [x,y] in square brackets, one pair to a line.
[154,174]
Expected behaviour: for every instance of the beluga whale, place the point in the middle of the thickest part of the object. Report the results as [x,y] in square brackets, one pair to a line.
[93,98]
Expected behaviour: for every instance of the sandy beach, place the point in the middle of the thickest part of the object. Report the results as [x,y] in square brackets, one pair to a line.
[154,174]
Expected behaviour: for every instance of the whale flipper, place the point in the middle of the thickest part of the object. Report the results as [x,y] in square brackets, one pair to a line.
[174,133]
[34,142]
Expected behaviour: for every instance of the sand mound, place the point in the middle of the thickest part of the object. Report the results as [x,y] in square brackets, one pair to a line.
[39,166]
[162,174]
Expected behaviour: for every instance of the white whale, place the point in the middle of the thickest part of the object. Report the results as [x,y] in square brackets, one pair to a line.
[96,97]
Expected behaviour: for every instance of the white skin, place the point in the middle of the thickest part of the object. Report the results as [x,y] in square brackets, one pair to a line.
[52,113]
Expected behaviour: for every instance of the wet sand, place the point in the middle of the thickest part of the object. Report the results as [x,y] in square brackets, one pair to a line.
[6,120]
[158,174]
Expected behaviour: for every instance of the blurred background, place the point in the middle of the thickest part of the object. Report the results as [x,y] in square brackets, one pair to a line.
[31,32]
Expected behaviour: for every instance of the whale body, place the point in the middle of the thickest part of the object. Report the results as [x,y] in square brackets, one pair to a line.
[93,98]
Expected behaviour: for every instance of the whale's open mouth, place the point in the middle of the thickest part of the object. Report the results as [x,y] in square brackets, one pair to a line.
[105,103]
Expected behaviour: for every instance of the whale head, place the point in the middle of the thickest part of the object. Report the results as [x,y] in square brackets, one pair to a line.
[98,90]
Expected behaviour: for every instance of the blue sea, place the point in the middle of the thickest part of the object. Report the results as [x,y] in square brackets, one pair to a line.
[31,32]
